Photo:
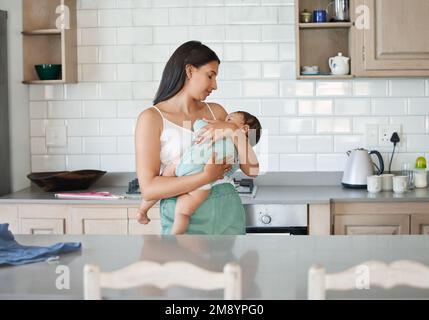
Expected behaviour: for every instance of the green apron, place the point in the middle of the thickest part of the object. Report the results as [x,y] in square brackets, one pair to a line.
[221,213]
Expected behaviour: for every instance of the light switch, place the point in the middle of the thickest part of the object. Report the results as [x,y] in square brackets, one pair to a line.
[56,136]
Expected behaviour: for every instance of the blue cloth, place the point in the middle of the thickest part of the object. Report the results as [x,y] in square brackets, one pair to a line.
[196,156]
[12,253]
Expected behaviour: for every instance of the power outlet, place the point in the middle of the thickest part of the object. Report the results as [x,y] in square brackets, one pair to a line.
[371,135]
[385,132]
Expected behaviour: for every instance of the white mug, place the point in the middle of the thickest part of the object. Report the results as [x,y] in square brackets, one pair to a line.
[374,184]
[387,182]
[400,184]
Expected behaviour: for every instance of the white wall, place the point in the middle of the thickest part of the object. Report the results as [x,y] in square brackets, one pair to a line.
[123,46]
[18,98]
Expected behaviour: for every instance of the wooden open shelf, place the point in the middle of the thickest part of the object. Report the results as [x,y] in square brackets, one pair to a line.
[317,42]
[43,43]
[327,25]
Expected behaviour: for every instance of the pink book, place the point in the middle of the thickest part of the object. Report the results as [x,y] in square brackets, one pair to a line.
[87,195]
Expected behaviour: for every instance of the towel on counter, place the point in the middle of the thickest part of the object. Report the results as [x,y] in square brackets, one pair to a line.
[12,253]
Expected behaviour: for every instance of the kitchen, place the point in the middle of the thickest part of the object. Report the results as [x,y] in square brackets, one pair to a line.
[281,61]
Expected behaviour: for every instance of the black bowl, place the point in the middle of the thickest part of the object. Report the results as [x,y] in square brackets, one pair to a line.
[65,180]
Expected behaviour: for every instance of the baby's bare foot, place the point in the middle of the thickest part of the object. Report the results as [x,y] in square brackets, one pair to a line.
[142,216]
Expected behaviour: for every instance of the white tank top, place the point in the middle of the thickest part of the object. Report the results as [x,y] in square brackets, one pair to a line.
[175,140]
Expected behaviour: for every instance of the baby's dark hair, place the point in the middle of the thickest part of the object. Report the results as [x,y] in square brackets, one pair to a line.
[255,127]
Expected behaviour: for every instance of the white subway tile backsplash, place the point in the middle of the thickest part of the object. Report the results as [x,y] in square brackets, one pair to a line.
[359,123]
[134,36]
[87,18]
[81,91]
[296,88]
[260,52]
[99,109]
[87,55]
[115,54]
[281,70]
[315,144]
[260,89]
[373,88]
[407,88]
[348,142]
[64,109]
[150,17]
[170,34]
[244,70]
[278,33]
[151,53]
[116,91]
[208,33]
[99,145]
[333,88]
[123,46]
[418,106]
[38,110]
[98,73]
[315,107]
[117,127]
[352,107]
[334,125]
[38,146]
[411,124]
[46,92]
[98,36]
[389,106]
[279,107]
[296,125]
[83,127]
[418,143]
[285,144]
[79,162]
[45,163]
[118,163]
[297,162]
[187,16]
[125,145]
[331,162]
[115,18]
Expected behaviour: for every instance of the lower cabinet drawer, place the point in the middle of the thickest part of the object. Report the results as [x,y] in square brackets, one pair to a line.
[43,226]
[372,224]
[99,220]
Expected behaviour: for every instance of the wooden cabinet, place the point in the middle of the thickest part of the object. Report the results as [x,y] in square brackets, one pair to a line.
[9,214]
[42,226]
[42,219]
[49,37]
[99,220]
[154,226]
[389,38]
[420,224]
[372,224]
[385,38]
[380,218]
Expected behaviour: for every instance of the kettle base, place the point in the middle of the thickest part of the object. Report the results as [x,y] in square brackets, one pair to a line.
[354,186]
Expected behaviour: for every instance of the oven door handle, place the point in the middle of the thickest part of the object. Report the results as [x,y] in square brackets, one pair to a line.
[280,230]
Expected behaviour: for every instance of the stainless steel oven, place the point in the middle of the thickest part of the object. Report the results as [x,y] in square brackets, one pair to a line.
[284,219]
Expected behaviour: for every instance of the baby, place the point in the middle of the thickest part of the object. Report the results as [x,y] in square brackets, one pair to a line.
[193,161]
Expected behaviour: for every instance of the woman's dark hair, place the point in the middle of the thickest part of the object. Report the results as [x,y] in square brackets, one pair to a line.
[255,127]
[174,74]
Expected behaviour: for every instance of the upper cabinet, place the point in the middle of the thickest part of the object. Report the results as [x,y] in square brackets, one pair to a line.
[49,37]
[384,38]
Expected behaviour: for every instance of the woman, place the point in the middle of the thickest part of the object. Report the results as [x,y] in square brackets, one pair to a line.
[164,131]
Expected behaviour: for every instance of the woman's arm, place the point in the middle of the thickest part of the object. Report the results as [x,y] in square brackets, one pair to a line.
[148,147]
[249,163]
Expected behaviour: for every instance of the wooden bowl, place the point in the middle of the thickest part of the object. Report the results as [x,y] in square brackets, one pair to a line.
[65,180]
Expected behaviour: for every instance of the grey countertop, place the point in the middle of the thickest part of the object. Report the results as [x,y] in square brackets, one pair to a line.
[273,266]
[264,195]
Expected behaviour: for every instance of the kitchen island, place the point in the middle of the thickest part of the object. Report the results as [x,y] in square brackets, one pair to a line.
[274,267]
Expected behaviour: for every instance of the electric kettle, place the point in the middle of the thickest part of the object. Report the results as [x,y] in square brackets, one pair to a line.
[359,166]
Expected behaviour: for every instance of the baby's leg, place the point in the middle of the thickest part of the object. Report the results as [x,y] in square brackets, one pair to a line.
[142,211]
[185,206]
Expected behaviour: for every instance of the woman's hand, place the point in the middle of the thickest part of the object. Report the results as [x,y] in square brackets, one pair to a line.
[216,130]
[213,171]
